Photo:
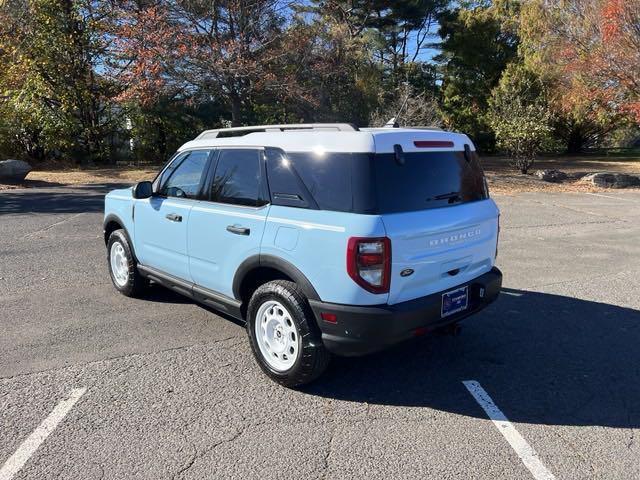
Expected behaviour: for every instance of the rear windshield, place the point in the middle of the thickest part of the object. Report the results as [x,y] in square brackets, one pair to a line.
[427,180]
[375,184]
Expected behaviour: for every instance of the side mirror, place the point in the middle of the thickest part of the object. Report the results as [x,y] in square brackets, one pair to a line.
[143,190]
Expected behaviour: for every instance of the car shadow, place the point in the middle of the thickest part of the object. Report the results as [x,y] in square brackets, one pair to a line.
[63,199]
[543,358]
[159,294]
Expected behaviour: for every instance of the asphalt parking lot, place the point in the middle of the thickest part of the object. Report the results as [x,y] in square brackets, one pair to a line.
[165,388]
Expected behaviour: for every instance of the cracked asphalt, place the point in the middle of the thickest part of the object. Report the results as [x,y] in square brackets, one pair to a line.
[173,391]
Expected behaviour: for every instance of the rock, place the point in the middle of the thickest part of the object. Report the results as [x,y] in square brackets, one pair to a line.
[555,176]
[612,180]
[14,170]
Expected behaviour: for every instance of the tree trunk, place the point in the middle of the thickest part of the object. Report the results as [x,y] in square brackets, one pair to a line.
[236,110]
[89,149]
[575,142]
[162,139]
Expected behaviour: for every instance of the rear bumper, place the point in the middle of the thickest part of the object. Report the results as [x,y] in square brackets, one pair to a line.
[360,330]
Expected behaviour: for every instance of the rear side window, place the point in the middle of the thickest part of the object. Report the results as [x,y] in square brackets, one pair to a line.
[286,186]
[427,180]
[327,176]
[340,182]
[237,178]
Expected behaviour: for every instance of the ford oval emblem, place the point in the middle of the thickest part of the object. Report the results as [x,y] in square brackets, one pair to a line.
[406,272]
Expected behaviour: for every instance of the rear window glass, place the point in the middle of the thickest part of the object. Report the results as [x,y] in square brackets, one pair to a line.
[377,184]
[427,180]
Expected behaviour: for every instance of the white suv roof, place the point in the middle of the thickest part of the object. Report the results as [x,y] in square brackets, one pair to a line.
[336,137]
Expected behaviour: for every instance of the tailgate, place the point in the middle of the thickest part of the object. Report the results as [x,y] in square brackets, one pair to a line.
[444,247]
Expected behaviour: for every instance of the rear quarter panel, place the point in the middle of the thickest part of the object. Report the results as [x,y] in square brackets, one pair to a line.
[315,241]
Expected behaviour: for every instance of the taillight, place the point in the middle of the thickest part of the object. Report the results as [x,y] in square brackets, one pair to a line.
[369,263]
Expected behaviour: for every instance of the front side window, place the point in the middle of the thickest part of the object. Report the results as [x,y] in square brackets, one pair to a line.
[237,179]
[183,180]
[167,169]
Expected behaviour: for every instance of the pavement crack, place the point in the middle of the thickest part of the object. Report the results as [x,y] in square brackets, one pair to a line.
[578,453]
[117,357]
[631,440]
[101,471]
[595,222]
[329,450]
[600,276]
[55,224]
[572,209]
[191,460]
[328,453]
[198,454]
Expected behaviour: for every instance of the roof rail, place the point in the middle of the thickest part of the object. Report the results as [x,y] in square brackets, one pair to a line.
[239,131]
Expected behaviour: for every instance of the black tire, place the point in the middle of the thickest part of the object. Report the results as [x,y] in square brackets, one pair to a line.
[313,358]
[136,284]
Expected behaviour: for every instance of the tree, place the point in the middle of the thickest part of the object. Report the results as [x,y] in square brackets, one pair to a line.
[409,107]
[233,50]
[616,66]
[337,73]
[588,52]
[478,41]
[158,128]
[21,135]
[396,32]
[142,51]
[404,29]
[519,116]
[51,50]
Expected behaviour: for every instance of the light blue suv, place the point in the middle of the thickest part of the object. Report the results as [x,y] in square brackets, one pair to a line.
[325,238]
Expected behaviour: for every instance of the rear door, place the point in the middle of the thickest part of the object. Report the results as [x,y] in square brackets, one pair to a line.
[227,228]
[161,220]
[441,222]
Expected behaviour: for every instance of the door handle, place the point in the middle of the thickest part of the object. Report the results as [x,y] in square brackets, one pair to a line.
[238,230]
[174,217]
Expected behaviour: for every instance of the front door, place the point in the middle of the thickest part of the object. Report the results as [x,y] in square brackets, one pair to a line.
[227,228]
[161,220]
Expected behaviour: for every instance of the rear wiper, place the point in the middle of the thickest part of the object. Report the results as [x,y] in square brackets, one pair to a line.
[452,196]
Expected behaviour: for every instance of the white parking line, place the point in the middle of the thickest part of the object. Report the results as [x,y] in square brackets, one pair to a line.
[525,451]
[39,435]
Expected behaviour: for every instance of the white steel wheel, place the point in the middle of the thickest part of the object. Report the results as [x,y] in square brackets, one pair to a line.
[277,336]
[119,264]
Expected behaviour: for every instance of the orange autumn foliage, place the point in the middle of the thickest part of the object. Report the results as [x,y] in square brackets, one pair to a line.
[593,46]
